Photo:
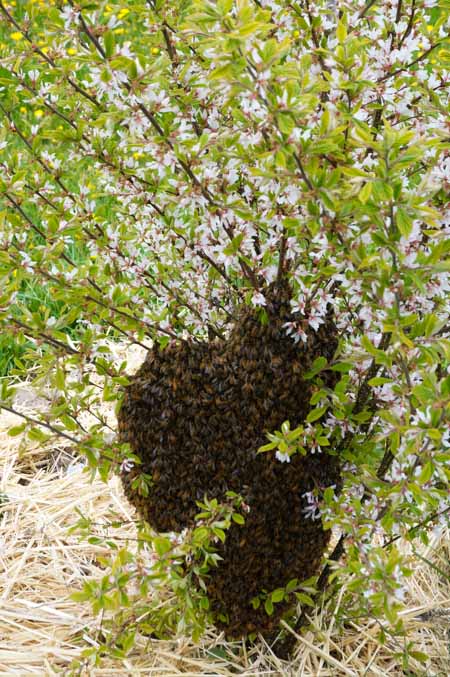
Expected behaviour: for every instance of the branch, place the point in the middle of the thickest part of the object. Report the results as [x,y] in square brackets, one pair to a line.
[35,421]
[365,9]
[423,523]
[305,177]
[45,337]
[412,63]
[410,25]
[59,433]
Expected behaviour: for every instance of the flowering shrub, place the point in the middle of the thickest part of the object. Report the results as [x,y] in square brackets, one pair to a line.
[163,162]
[165,591]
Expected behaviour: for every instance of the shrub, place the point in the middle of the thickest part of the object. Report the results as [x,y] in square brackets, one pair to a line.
[198,152]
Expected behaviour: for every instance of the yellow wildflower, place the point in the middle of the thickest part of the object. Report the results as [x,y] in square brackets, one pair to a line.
[123,12]
[23,109]
[119,31]
[38,113]
[17,36]
[155,50]
[71,51]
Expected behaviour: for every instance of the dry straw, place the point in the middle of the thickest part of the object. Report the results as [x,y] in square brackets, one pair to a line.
[42,630]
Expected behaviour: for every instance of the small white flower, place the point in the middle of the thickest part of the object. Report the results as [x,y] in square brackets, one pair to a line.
[312,510]
[126,465]
[400,593]
[75,468]
[70,16]
[283,458]
[33,74]
[258,299]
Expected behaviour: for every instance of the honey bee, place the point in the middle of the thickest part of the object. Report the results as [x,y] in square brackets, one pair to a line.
[196,414]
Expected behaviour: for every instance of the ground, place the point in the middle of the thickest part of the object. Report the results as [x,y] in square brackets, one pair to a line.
[42,630]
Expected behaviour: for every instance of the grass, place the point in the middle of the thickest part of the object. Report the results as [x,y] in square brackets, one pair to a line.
[35,298]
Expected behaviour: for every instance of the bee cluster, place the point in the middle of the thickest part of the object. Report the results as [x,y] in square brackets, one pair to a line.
[196,414]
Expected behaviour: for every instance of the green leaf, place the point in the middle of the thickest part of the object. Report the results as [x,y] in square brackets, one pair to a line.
[303,598]
[292,585]
[342,367]
[278,595]
[68,422]
[109,43]
[403,221]
[315,414]
[431,324]
[285,123]
[285,427]
[365,192]
[280,159]
[419,656]
[379,381]
[38,435]
[268,447]
[382,191]
[219,533]
[17,430]
[368,345]
[200,535]
[162,545]
[222,73]
[427,473]
[442,266]
[317,397]
[341,32]
[268,606]
[234,245]
[318,364]
[80,596]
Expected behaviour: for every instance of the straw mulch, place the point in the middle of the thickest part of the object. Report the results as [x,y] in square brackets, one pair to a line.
[42,630]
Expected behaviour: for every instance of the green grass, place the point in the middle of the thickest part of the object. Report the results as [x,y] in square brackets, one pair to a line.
[35,298]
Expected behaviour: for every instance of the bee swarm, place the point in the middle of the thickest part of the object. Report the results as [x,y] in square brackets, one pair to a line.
[195,414]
